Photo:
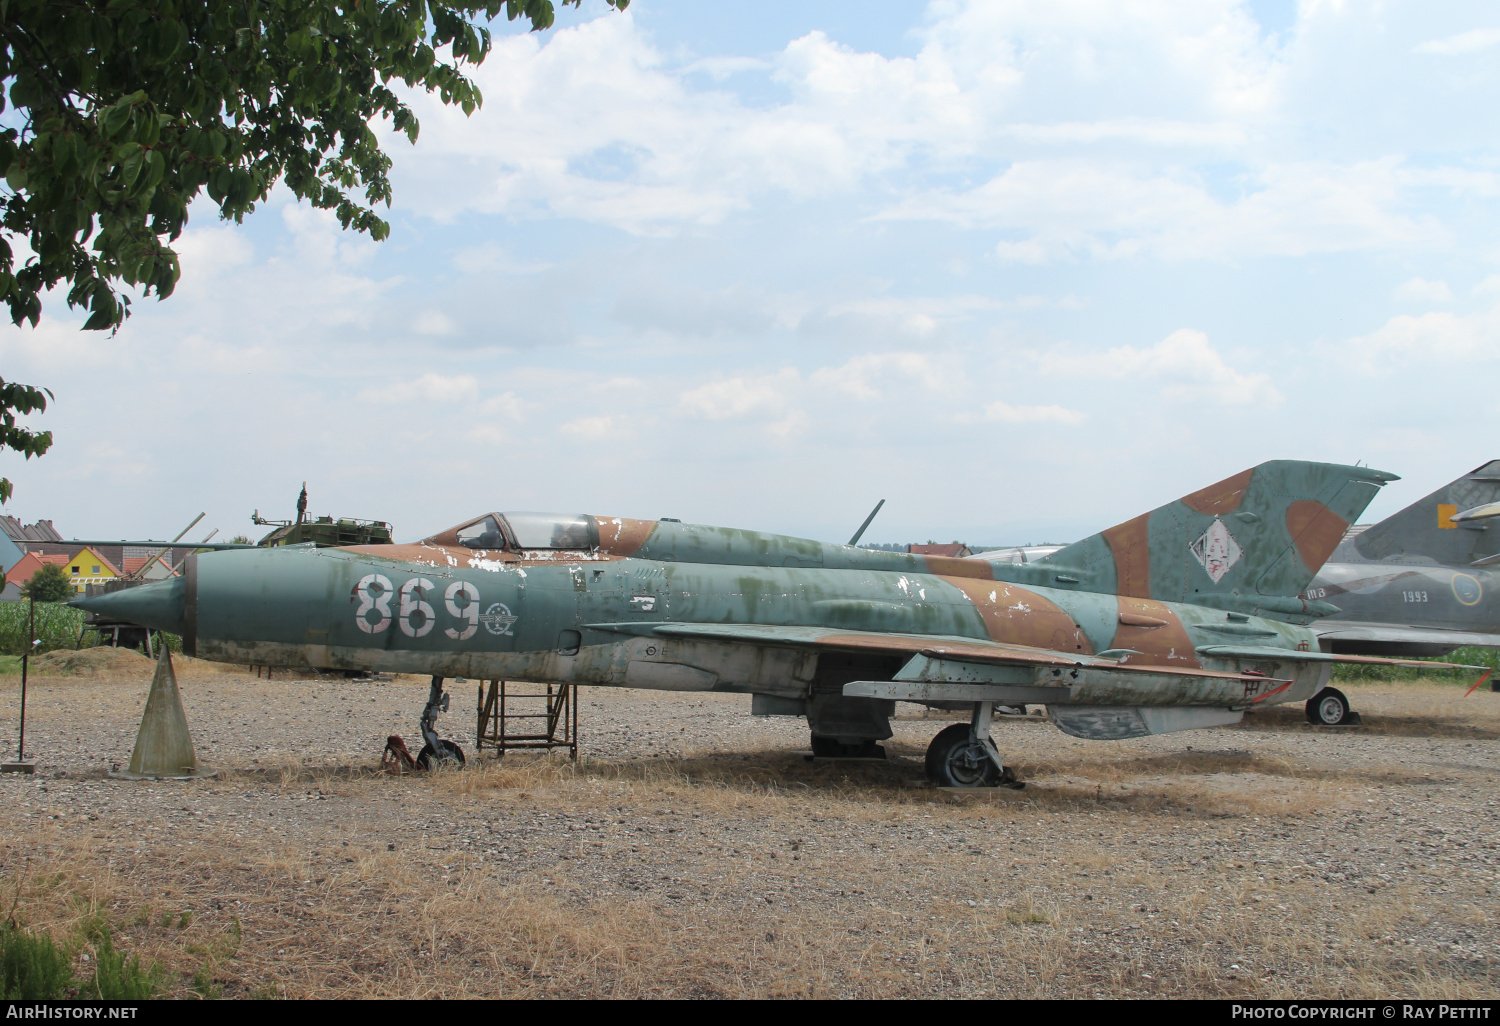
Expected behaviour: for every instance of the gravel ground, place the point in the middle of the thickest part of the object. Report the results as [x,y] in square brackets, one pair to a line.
[692,851]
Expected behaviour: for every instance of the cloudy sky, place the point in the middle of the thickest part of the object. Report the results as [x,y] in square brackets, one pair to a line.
[1024,269]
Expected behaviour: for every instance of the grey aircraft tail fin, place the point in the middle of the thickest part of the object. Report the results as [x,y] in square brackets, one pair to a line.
[1253,540]
[1426,530]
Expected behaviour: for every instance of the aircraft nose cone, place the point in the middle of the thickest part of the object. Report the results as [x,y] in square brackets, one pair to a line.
[158,605]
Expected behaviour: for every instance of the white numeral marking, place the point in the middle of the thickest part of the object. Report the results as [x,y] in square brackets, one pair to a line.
[462,600]
[416,615]
[374,592]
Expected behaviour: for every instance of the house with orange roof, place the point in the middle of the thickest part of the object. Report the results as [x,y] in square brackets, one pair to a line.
[158,570]
[25,568]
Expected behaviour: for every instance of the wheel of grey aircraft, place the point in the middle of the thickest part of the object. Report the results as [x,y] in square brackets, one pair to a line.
[955,759]
[1328,707]
[452,754]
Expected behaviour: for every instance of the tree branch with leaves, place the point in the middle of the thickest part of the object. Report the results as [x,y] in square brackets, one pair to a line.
[122,112]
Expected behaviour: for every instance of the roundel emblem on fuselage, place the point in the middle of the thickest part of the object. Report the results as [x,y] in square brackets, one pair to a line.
[1467,589]
[498,618]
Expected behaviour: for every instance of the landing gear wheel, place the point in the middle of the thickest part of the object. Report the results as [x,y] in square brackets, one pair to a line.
[955,759]
[451,754]
[1329,708]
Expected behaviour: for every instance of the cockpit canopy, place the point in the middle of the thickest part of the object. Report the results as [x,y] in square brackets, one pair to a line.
[524,531]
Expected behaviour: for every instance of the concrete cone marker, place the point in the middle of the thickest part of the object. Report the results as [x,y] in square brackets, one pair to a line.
[163,747]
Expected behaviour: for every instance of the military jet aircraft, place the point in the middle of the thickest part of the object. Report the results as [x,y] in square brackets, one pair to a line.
[1150,627]
[1418,583]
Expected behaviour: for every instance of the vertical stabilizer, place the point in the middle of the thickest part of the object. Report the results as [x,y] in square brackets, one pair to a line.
[1424,531]
[1251,541]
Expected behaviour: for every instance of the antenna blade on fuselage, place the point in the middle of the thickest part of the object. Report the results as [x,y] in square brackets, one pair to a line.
[861,532]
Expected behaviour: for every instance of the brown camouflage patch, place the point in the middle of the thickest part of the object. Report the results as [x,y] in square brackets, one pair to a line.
[622,536]
[1017,616]
[979,651]
[1164,644]
[1316,530]
[1220,499]
[952,566]
[1131,546]
[433,554]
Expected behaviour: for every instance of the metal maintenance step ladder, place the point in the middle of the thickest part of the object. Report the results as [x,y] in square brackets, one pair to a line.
[515,715]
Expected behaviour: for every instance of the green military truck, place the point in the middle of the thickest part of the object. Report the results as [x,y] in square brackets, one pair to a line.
[324,532]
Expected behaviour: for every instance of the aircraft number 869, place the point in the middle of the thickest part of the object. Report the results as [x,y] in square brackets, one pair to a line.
[414,614]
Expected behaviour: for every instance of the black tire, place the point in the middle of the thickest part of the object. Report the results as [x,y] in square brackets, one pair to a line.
[954,760]
[1329,708]
[452,754]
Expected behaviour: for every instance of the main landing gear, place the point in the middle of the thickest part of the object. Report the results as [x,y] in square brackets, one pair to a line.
[1329,708]
[962,755]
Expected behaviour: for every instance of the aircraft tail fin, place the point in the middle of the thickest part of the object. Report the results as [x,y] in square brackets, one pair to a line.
[1426,528]
[1252,541]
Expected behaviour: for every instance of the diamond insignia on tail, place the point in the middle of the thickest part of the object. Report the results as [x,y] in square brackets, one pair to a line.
[1217,550]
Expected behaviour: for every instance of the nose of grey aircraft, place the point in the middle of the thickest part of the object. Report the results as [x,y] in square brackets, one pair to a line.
[158,605]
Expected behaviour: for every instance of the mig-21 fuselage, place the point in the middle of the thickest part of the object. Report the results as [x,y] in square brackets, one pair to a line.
[831,632]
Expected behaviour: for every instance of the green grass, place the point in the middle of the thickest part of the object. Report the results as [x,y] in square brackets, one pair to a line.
[32,967]
[57,626]
[117,976]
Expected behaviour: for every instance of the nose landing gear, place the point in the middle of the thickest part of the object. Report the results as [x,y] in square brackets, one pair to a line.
[436,751]
[962,755]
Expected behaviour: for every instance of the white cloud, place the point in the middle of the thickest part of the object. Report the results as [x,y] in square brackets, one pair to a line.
[1463,42]
[1079,208]
[507,405]
[1153,103]
[595,429]
[875,375]
[741,395]
[1490,284]
[1432,339]
[1008,414]
[1420,290]
[1183,365]
[430,387]
[434,322]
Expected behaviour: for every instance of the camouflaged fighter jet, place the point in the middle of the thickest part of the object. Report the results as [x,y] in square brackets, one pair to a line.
[1419,582]
[1150,627]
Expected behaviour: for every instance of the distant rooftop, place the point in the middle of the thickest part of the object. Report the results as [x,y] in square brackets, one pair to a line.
[41,531]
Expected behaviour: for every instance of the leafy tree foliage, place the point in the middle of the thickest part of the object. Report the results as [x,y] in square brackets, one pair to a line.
[49,584]
[121,112]
[21,399]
